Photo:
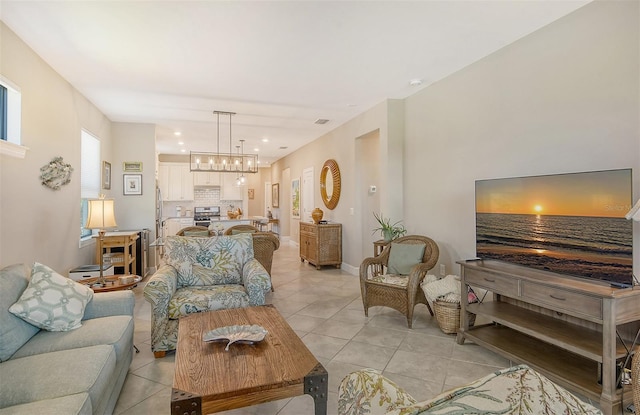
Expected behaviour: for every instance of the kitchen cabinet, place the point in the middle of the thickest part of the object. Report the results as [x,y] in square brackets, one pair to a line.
[206,179]
[176,181]
[229,190]
[321,244]
[172,226]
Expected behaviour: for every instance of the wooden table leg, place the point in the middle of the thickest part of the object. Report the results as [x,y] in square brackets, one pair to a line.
[316,384]
[185,403]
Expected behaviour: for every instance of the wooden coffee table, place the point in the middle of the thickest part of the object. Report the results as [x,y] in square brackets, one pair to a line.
[209,379]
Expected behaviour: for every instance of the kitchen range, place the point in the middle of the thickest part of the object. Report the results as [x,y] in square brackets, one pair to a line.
[202,216]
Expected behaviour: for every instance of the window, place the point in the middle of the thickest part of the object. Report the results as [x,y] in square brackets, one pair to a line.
[89,177]
[10,111]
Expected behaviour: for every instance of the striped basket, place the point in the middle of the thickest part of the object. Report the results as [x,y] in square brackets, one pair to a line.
[448,316]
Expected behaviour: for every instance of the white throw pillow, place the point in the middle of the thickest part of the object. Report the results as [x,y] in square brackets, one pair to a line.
[51,301]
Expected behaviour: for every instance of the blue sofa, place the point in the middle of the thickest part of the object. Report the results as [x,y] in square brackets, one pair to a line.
[72,372]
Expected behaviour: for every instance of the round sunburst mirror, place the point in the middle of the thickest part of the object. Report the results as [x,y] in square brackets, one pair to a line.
[330,184]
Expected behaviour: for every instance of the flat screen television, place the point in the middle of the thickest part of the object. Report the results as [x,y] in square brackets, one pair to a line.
[570,224]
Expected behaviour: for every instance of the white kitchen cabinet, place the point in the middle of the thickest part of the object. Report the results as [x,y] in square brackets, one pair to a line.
[229,190]
[173,225]
[206,179]
[176,181]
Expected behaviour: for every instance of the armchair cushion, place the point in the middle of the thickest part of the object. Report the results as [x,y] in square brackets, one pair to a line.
[513,390]
[403,257]
[199,298]
[222,257]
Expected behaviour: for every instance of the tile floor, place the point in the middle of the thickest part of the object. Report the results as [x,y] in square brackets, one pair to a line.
[325,310]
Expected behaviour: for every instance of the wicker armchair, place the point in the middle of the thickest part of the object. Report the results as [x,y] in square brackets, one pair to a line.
[399,292]
[240,228]
[193,229]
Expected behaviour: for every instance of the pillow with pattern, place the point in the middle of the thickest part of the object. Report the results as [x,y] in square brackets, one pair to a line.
[51,301]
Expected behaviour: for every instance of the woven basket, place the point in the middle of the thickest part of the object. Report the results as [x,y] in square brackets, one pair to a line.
[448,316]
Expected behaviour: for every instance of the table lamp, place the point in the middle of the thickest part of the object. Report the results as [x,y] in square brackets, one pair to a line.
[101,215]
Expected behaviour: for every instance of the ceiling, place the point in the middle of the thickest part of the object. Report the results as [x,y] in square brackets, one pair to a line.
[279,65]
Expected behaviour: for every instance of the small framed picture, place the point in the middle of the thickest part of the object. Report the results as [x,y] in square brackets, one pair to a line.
[106,175]
[132,166]
[275,195]
[132,184]
[252,194]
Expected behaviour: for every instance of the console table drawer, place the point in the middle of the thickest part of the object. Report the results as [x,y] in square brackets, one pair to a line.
[574,303]
[496,283]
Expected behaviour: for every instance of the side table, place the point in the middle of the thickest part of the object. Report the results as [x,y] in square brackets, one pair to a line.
[113,283]
[378,246]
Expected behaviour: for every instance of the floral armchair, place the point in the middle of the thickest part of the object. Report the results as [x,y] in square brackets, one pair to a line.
[515,390]
[202,274]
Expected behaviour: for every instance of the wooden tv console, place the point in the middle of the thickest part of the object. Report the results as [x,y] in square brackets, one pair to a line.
[570,329]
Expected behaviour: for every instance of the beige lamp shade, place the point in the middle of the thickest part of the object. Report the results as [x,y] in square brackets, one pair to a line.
[634,213]
[101,214]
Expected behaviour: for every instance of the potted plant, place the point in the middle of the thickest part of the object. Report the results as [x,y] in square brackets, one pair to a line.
[388,230]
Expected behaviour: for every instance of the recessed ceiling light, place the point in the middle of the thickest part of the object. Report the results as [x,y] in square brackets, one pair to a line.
[256,149]
[265,140]
[415,82]
[180,143]
[177,133]
[321,121]
[183,150]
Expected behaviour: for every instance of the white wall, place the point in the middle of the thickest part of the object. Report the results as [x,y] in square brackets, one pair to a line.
[564,99]
[37,223]
[135,142]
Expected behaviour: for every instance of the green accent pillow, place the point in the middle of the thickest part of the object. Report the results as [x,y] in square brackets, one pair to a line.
[403,257]
[51,301]
[196,233]
[239,231]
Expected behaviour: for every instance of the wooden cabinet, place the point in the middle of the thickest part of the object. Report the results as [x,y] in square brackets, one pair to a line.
[574,331]
[176,181]
[206,179]
[321,244]
[119,249]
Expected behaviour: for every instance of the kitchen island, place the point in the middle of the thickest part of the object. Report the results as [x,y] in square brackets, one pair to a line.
[173,224]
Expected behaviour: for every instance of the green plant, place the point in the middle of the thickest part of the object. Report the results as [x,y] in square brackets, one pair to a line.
[388,230]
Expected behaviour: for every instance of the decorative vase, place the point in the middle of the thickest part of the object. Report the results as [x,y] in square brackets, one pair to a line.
[317,214]
[387,234]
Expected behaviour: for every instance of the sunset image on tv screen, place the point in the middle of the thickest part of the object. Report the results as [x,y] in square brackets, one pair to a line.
[568,223]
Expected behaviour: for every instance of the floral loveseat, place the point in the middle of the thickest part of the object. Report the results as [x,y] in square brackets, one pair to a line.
[202,274]
[515,390]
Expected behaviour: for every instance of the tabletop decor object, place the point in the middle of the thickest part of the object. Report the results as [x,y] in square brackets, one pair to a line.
[56,173]
[250,334]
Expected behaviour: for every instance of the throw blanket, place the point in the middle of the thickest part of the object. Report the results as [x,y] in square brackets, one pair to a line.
[446,289]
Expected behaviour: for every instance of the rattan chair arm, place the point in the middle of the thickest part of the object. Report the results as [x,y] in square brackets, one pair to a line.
[368,263]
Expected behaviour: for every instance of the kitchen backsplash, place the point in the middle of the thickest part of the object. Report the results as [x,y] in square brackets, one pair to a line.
[203,196]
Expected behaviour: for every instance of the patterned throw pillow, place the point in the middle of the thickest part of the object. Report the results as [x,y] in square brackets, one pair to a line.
[51,301]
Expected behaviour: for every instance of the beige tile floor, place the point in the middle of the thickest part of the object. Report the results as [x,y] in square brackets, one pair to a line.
[325,310]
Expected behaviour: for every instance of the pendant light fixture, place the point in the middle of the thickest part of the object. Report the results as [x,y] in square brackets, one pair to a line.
[221,162]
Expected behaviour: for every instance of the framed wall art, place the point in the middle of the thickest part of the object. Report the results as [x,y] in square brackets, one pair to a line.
[106,175]
[252,194]
[295,198]
[132,166]
[132,184]
[275,195]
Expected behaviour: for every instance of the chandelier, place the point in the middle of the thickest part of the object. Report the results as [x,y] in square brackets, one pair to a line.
[224,162]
